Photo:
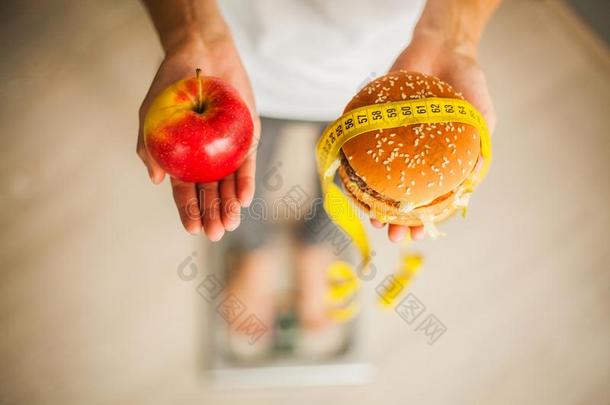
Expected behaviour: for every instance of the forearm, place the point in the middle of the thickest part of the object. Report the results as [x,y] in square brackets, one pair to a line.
[179,22]
[459,22]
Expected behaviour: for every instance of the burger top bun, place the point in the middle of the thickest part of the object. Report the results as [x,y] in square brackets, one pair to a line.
[416,163]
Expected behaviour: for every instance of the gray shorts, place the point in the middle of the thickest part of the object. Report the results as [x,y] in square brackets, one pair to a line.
[287,193]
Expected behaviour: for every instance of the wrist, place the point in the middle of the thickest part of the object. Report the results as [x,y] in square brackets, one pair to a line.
[456,24]
[444,42]
[196,39]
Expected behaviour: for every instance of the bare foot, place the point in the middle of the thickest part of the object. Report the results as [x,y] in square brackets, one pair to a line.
[312,263]
[320,336]
[252,280]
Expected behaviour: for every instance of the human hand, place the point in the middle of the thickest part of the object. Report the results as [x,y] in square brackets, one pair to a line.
[454,63]
[213,207]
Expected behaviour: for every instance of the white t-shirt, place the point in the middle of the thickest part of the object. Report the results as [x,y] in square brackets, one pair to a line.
[307,58]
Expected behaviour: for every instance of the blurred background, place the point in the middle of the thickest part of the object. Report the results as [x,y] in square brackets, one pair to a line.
[92,307]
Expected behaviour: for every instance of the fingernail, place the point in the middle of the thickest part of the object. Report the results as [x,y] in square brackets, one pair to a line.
[194,231]
[397,239]
[218,236]
[245,202]
[157,179]
[153,178]
[232,227]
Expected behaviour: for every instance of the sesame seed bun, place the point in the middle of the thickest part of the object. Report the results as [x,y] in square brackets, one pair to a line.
[402,174]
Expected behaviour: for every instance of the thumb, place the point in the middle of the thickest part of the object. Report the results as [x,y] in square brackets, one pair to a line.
[155,172]
[476,92]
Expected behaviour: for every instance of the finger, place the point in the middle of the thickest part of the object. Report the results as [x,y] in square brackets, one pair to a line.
[489,113]
[229,204]
[155,172]
[482,101]
[397,233]
[476,91]
[377,223]
[245,180]
[212,224]
[417,233]
[245,175]
[185,196]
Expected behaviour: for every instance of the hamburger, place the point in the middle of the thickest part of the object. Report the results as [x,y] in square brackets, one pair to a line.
[412,175]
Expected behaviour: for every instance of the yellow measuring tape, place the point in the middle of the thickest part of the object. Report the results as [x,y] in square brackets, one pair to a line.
[385,116]
[343,288]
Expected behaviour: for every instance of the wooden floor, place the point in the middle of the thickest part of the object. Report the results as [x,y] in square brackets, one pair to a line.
[91,308]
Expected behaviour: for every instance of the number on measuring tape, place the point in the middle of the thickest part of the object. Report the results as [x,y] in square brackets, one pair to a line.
[420,110]
[449,109]
[326,148]
[362,119]
[391,115]
[349,124]
[405,110]
[376,115]
[435,109]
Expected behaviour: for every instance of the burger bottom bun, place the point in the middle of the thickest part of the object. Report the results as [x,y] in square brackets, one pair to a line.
[388,213]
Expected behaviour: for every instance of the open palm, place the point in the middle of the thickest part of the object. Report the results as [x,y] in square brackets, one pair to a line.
[456,66]
[213,207]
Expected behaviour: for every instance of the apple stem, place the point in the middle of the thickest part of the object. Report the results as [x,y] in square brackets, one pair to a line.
[199,91]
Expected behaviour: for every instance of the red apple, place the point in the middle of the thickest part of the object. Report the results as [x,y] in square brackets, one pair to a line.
[198,129]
